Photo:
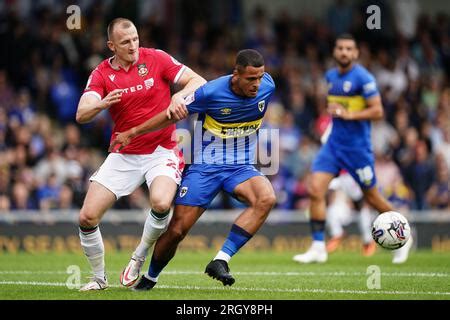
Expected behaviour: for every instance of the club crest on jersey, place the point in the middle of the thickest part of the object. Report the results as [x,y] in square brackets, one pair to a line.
[261,105]
[347,86]
[142,70]
[183,191]
[225,111]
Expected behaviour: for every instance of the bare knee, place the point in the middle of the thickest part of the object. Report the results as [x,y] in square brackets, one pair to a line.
[88,218]
[161,205]
[176,233]
[266,201]
[315,192]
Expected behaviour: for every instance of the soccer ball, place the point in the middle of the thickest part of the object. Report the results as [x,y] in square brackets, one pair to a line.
[391,230]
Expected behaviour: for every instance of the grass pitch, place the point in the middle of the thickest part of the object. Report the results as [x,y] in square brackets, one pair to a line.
[259,276]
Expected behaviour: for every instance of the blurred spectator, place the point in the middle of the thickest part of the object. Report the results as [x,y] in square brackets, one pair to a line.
[289,133]
[390,181]
[339,17]
[430,98]
[5,204]
[21,198]
[22,110]
[438,196]
[259,30]
[384,137]
[443,150]
[390,76]
[48,194]
[65,199]
[298,163]
[52,164]
[6,92]
[406,13]
[420,174]
[64,96]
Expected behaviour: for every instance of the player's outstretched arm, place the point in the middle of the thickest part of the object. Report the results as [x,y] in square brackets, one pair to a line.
[90,105]
[122,139]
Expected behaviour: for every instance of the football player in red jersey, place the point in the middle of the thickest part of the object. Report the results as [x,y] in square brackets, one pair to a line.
[133,85]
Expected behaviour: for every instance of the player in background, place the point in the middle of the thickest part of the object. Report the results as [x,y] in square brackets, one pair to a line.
[353,101]
[133,85]
[344,199]
[231,110]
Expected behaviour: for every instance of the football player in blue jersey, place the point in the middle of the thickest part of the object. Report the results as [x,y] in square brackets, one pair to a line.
[353,101]
[231,109]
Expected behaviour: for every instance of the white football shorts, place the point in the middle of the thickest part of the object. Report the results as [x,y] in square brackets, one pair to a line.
[124,173]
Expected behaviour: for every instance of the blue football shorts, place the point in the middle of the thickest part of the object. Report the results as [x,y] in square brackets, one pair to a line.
[200,185]
[358,162]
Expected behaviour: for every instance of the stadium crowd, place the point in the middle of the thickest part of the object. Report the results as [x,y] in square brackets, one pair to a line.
[46,158]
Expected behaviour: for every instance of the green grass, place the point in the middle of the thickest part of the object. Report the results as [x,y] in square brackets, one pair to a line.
[259,275]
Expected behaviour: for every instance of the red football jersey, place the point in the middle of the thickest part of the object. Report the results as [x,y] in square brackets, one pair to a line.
[146,92]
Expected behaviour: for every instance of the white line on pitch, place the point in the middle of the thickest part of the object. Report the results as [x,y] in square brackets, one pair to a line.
[257,273]
[296,290]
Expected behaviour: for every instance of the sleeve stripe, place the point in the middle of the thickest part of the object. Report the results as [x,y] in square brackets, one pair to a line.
[94,93]
[178,76]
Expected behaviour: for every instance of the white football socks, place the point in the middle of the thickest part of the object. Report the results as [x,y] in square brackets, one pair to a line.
[222,256]
[92,244]
[318,245]
[334,222]
[153,228]
[365,224]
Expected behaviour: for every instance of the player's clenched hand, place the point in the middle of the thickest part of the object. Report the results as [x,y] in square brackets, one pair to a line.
[177,108]
[337,110]
[111,98]
[121,140]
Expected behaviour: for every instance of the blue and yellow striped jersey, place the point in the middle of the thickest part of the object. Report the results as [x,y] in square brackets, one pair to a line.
[228,123]
[351,90]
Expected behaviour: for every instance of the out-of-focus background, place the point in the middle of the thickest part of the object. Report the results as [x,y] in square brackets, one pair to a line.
[46,158]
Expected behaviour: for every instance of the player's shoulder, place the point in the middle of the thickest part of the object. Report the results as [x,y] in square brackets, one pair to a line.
[220,83]
[157,54]
[362,71]
[102,69]
[102,66]
[146,53]
[332,72]
[154,52]
[149,51]
[267,78]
